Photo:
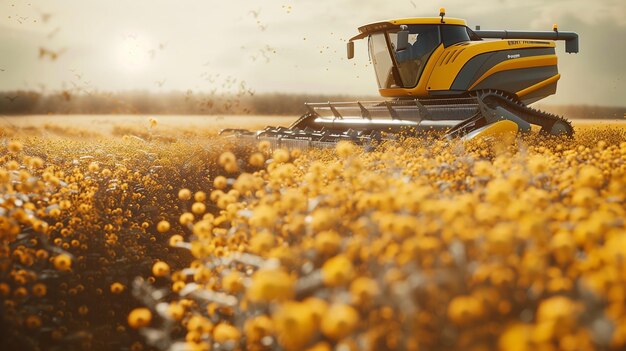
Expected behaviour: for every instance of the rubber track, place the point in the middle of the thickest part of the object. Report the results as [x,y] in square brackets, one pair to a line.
[533,116]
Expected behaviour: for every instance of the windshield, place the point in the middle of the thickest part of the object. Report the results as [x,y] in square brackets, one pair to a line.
[410,62]
[383,65]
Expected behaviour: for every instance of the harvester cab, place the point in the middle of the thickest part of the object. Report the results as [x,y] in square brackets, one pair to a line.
[435,73]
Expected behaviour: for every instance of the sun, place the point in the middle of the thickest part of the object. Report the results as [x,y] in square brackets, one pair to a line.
[133,52]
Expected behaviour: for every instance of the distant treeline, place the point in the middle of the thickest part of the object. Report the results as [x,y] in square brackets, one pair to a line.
[193,103]
[172,103]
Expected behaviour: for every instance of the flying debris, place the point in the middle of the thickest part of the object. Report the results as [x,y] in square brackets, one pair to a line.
[52,55]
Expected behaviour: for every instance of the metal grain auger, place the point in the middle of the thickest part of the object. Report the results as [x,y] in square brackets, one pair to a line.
[438,74]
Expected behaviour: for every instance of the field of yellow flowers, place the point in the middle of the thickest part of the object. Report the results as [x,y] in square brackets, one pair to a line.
[152,239]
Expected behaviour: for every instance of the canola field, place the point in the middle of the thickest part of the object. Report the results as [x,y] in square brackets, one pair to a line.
[160,235]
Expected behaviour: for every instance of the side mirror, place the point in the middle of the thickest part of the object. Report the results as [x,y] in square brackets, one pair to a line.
[403,38]
[350,50]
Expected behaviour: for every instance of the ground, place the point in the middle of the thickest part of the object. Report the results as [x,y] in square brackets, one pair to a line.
[151,232]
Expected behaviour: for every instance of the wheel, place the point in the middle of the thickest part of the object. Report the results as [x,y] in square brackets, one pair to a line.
[560,128]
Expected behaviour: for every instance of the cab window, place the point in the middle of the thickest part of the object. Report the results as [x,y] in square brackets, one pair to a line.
[452,34]
[423,40]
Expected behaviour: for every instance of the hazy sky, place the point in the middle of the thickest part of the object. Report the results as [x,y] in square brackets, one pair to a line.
[273,45]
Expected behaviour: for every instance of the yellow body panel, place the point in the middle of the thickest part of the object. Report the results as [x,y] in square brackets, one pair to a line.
[538,86]
[523,62]
[503,131]
[444,65]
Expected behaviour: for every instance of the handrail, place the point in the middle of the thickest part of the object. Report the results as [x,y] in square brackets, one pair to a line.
[570,38]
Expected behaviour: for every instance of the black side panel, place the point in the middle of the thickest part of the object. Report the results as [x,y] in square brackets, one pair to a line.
[515,80]
[465,76]
[477,66]
[539,94]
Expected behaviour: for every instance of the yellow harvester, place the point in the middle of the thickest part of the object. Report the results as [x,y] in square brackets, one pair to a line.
[437,73]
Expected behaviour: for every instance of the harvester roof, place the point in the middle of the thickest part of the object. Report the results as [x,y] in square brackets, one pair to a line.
[389,24]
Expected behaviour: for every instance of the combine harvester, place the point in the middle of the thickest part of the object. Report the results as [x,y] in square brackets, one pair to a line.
[438,74]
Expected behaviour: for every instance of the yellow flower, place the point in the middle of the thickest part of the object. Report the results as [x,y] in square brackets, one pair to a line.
[163,226]
[139,318]
[223,333]
[345,149]
[184,194]
[117,288]
[269,285]
[263,216]
[280,155]
[294,325]
[160,269]
[337,271]
[15,146]
[340,321]
[63,262]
